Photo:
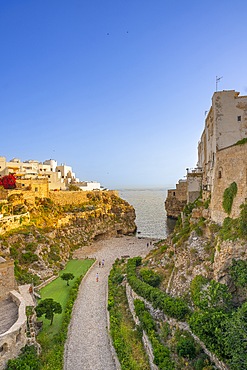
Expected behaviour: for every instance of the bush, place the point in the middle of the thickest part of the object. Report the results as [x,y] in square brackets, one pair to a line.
[150,277]
[27,360]
[228,197]
[238,272]
[186,348]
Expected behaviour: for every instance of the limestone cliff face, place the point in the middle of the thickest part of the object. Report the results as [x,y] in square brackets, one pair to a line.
[49,242]
[199,252]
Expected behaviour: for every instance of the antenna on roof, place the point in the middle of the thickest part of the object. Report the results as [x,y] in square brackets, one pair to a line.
[217,81]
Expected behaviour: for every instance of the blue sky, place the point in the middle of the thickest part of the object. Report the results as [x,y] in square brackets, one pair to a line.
[117,89]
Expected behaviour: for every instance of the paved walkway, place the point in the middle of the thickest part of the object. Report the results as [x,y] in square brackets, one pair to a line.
[88,347]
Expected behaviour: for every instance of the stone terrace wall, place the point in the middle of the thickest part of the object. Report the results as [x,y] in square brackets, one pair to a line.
[231,165]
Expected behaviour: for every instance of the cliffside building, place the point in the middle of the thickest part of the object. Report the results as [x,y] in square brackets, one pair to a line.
[176,199]
[225,124]
[220,160]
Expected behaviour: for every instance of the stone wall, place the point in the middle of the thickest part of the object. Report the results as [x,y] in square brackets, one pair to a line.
[15,338]
[231,166]
[7,278]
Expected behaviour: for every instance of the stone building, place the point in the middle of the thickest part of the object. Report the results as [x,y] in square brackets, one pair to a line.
[220,160]
[225,124]
[194,184]
[176,199]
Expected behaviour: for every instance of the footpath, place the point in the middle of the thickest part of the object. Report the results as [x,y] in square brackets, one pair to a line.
[88,344]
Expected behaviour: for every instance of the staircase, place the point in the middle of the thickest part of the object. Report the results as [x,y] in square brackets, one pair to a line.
[8,314]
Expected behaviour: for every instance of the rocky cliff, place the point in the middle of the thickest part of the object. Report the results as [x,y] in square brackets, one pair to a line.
[55,231]
[200,247]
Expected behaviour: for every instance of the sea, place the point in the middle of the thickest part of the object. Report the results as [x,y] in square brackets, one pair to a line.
[151,218]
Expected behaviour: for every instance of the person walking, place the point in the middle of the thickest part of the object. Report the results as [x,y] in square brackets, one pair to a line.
[99,263]
[97,278]
[103,263]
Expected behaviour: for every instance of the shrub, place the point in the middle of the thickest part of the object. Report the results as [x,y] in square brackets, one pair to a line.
[228,197]
[186,347]
[238,272]
[29,257]
[241,142]
[150,277]
[195,289]
[27,360]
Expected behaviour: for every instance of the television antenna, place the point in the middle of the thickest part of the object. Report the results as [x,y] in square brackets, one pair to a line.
[217,81]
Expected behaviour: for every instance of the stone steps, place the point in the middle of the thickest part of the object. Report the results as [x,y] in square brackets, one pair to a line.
[8,314]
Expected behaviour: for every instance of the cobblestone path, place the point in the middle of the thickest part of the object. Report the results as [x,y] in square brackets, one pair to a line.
[88,346]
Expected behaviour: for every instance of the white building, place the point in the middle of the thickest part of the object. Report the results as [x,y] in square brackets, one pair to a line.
[225,124]
[59,177]
[89,185]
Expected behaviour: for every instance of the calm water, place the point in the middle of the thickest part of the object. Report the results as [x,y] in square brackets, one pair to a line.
[151,220]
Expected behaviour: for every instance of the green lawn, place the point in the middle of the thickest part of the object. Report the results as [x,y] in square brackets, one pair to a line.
[59,291]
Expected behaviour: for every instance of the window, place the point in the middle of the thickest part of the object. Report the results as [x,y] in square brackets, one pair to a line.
[219,175]
[36,189]
[174,193]
[239,118]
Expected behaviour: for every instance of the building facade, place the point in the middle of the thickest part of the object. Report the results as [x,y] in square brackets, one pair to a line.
[222,160]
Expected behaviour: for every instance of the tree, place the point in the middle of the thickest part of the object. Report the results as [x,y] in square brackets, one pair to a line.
[48,307]
[67,276]
[209,294]
[73,187]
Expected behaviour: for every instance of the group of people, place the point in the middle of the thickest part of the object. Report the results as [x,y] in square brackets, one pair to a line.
[101,264]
